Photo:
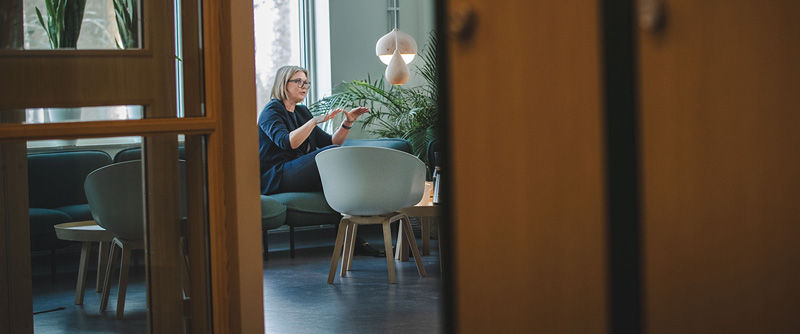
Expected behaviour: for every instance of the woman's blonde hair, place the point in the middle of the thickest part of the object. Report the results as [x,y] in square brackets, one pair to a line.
[282,78]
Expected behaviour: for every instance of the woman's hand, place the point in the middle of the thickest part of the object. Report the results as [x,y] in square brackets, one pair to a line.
[352,115]
[326,117]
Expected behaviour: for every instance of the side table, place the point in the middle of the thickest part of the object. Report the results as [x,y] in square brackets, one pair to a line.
[422,211]
[87,232]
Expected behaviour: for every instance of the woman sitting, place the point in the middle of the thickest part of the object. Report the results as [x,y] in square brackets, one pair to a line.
[289,139]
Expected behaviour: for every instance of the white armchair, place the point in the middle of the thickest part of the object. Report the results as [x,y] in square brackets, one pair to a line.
[369,185]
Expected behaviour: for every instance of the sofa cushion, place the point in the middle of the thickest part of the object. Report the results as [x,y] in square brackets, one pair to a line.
[395,143]
[43,235]
[307,209]
[56,179]
[78,212]
[135,153]
[273,213]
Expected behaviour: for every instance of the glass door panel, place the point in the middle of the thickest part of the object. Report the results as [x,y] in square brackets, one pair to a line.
[101,99]
[69,257]
[111,59]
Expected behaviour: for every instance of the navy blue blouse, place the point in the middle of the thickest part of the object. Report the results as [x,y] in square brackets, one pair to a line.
[274,149]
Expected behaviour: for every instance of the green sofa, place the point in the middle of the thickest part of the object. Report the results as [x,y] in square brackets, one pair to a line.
[56,194]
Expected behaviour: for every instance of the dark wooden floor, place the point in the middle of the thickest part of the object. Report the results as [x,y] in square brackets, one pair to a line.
[297,298]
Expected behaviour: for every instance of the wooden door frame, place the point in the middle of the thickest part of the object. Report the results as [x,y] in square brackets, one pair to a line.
[236,267]
[15,290]
[233,205]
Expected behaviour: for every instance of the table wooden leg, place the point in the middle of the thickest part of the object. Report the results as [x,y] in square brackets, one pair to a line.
[102,261]
[442,248]
[83,269]
[425,223]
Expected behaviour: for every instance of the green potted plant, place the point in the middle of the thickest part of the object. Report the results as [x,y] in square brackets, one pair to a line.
[395,111]
[127,15]
[63,25]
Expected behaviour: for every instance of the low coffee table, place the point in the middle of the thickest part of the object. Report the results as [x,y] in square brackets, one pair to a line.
[423,212]
[87,232]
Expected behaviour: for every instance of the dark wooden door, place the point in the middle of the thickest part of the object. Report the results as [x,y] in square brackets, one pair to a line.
[720,130]
[525,146]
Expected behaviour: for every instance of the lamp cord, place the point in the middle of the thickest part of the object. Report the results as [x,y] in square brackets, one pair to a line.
[396,47]
[395,13]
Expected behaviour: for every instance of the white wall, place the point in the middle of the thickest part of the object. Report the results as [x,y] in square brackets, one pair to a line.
[355,27]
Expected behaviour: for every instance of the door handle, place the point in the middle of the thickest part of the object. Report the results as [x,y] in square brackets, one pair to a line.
[462,21]
[652,15]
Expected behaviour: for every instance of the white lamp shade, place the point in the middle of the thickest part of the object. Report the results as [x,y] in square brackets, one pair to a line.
[397,72]
[407,58]
[385,47]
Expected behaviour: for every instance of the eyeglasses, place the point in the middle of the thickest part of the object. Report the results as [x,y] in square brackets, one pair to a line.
[301,83]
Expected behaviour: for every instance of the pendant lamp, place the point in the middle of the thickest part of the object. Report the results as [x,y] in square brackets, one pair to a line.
[396,40]
[397,72]
[396,49]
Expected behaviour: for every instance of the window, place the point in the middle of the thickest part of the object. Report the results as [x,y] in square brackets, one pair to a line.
[291,32]
[278,41]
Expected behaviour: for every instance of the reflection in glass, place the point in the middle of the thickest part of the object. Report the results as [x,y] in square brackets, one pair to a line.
[112,24]
[83,114]
[68,246]
[60,259]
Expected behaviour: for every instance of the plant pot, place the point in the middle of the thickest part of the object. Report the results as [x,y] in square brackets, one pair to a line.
[60,115]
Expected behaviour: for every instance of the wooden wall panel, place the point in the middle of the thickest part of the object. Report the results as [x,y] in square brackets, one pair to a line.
[526,168]
[721,169]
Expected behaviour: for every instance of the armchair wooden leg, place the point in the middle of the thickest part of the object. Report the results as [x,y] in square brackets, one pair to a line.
[412,242]
[123,280]
[109,271]
[348,245]
[337,250]
[351,250]
[387,243]
[102,261]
